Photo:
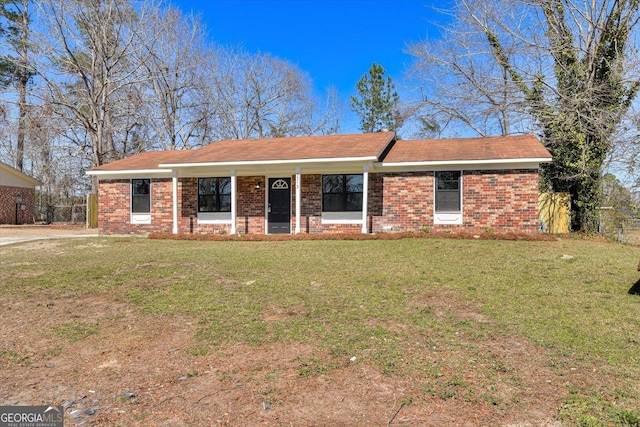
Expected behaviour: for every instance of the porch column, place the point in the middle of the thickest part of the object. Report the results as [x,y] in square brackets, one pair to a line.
[365,197]
[298,198]
[234,195]
[174,184]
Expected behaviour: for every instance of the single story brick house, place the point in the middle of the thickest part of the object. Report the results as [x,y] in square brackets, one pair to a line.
[17,196]
[364,183]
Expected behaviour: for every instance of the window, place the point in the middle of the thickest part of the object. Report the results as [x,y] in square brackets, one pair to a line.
[341,193]
[141,196]
[214,194]
[447,192]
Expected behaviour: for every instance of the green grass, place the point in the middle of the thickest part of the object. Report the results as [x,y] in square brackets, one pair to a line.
[74,331]
[374,300]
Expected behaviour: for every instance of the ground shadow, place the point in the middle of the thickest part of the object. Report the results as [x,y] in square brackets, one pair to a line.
[635,289]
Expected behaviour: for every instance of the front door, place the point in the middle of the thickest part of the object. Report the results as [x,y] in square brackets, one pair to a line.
[279,209]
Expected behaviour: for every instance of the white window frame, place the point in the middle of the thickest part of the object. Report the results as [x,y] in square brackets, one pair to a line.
[345,217]
[140,217]
[442,218]
[209,218]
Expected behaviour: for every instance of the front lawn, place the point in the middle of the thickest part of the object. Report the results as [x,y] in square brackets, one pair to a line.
[485,323]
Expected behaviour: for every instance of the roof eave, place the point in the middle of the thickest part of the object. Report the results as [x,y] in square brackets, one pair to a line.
[125,173]
[30,180]
[528,162]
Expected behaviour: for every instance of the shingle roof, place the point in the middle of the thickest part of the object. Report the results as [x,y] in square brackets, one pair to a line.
[461,149]
[295,148]
[267,149]
[143,161]
[372,146]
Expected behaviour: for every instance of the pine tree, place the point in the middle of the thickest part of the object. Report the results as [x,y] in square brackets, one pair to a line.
[15,69]
[377,104]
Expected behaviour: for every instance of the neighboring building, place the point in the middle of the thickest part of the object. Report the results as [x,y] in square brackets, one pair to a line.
[365,183]
[17,196]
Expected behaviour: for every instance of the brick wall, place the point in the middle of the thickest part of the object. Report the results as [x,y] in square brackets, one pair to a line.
[311,211]
[114,207]
[8,205]
[501,200]
[407,202]
[251,205]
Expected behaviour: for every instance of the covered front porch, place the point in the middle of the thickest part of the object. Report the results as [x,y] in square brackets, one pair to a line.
[270,199]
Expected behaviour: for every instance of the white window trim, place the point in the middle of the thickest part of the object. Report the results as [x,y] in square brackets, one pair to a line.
[441,218]
[353,217]
[140,218]
[214,217]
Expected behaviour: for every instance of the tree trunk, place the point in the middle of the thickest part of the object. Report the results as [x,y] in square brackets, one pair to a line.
[23,79]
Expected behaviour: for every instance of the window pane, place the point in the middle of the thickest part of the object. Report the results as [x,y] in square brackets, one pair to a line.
[224,185]
[140,186]
[140,195]
[225,203]
[447,191]
[354,201]
[447,180]
[354,183]
[205,204]
[332,183]
[447,201]
[332,202]
[342,192]
[140,204]
[204,186]
[214,194]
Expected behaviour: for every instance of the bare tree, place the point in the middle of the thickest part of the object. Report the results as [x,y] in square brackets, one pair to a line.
[93,67]
[177,104]
[461,82]
[259,96]
[567,64]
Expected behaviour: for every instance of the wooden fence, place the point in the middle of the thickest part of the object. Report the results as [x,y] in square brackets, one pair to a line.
[92,210]
[554,212]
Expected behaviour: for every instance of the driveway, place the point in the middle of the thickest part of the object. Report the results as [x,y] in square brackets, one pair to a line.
[27,233]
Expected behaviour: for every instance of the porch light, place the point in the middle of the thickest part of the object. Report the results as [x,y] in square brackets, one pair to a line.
[258,185]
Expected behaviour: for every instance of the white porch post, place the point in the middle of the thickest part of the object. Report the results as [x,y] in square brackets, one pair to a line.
[365,198]
[234,195]
[298,198]
[174,182]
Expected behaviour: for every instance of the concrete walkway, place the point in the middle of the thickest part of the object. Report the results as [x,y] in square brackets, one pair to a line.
[27,233]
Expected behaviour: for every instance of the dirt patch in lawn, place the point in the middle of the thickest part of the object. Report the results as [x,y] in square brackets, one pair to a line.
[110,364]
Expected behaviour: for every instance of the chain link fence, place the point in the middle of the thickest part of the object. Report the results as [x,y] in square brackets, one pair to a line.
[74,214]
[629,231]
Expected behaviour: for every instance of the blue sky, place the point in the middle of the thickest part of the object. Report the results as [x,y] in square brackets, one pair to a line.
[333,41]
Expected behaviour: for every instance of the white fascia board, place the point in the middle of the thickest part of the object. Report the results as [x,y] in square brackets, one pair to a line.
[466,164]
[270,162]
[124,174]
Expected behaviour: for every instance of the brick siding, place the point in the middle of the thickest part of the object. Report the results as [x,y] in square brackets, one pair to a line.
[501,200]
[8,205]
